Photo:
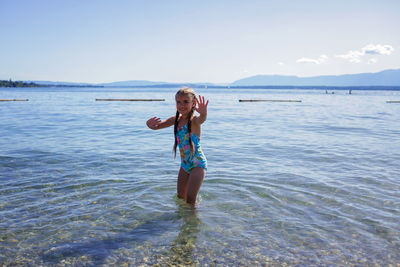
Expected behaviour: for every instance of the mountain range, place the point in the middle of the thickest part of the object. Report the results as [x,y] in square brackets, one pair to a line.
[382,78]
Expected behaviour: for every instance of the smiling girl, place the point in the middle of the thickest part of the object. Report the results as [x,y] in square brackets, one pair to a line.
[187,131]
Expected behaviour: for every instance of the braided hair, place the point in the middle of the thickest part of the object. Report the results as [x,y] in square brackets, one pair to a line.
[184,91]
[176,132]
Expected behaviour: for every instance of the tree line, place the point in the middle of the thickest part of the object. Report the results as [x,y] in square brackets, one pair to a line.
[10,83]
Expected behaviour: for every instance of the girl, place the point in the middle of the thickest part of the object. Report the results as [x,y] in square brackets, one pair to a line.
[187,130]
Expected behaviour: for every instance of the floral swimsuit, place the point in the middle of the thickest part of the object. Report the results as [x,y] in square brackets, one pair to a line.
[189,161]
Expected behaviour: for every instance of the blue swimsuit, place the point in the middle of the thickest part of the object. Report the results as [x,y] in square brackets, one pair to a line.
[189,161]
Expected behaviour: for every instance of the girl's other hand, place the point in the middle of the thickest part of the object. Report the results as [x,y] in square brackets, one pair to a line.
[153,123]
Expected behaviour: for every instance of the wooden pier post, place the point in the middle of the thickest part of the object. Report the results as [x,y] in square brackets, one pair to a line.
[5,100]
[134,99]
[267,100]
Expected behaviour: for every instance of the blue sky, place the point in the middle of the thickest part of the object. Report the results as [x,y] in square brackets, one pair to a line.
[195,41]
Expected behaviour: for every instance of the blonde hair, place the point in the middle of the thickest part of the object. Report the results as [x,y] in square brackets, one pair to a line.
[185,91]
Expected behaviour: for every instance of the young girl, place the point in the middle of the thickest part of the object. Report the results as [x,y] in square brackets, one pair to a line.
[187,130]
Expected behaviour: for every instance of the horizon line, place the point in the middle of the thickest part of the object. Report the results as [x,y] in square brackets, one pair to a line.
[213,83]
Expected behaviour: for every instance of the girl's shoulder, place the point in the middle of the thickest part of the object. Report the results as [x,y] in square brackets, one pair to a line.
[196,119]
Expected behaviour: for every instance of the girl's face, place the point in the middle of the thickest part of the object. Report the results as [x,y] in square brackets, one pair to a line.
[184,104]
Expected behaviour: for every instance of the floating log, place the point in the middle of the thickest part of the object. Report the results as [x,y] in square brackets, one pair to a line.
[393,101]
[267,100]
[3,100]
[135,99]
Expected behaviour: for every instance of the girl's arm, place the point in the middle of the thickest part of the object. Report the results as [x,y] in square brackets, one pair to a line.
[156,123]
[201,109]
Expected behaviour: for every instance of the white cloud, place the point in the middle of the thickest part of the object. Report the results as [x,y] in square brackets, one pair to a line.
[281,63]
[323,58]
[352,56]
[307,60]
[370,49]
[318,61]
[378,49]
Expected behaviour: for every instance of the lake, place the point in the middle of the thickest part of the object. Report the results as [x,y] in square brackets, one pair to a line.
[85,182]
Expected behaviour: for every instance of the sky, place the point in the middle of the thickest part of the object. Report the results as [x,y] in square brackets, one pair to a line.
[218,41]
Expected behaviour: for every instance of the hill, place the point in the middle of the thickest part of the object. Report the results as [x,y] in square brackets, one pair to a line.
[383,78]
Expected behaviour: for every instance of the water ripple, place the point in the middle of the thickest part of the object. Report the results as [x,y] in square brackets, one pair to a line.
[312,183]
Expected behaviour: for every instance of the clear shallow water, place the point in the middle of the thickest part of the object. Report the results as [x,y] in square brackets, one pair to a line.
[87,183]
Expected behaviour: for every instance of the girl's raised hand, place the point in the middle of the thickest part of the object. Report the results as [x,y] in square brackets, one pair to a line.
[201,106]
[153,123]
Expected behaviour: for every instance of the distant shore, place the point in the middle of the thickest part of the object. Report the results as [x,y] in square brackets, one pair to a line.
[10,83]
[17,84]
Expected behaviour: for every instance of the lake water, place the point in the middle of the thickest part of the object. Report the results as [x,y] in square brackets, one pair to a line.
[85,182]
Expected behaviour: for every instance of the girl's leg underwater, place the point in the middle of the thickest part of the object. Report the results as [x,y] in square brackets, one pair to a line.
[196,178]
[183,180]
